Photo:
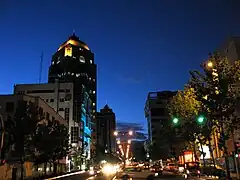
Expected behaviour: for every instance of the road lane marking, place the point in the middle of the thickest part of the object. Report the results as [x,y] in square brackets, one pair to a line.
[66,175]
[92,177]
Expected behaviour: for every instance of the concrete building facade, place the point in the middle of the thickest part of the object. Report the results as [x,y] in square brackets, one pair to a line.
[74,62]
[8,106]
[156,112]
[60,96]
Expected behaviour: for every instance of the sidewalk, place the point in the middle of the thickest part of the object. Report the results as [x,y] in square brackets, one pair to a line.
[52,176]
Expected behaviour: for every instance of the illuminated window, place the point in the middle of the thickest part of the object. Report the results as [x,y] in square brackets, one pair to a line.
[93,104]
[77,75]
[89,78]
[94,92]
[82,59]
[90,61]
[93,80]
[68,51]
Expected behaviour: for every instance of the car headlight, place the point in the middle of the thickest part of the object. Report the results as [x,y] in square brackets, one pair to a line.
[91,172]
[108,169]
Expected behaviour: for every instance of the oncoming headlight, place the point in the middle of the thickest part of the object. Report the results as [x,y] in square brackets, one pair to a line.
[108,169]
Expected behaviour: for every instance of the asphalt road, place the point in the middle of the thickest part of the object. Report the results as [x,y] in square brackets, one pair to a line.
[85,176]
[72,176]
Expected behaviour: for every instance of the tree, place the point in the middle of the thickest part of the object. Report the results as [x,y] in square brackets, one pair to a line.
[55,135]
[215,90]
[184,108]
[20,131]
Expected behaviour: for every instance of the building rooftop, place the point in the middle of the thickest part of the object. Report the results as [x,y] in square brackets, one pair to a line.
[75,41]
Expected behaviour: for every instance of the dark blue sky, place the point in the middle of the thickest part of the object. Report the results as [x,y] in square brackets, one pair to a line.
[139,45]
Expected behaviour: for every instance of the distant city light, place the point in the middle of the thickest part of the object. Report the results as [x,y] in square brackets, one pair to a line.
[130,133]
[115,133]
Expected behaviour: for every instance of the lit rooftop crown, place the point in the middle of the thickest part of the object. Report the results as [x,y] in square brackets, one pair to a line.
[75,41]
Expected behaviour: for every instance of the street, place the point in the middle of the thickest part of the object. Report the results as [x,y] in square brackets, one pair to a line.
[85,176]
[72,176]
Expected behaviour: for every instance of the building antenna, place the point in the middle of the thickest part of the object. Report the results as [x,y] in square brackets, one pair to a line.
[40,69]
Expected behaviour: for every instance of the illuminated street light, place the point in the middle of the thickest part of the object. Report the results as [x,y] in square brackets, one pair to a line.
[210,64]
[130,133]
[115,133]
[118,142]
[129,141]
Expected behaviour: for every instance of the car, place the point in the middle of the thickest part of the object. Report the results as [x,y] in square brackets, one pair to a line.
[135,173]
[192,169]
[172,167]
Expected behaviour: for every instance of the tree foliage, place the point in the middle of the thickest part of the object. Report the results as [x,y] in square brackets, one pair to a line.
[51,142]
[214,88]
[21,130]
[29,138]
[185,106]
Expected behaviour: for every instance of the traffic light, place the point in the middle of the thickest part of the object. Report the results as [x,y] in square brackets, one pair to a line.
[200,119]
[175,120]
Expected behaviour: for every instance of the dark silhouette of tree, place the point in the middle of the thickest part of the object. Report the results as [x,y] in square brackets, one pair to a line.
[51,143]
[20,131]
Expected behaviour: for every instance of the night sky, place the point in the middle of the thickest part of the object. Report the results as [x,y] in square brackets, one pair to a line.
[139,45]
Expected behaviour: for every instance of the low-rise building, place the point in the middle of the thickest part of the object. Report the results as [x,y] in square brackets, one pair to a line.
[73,104]
[8,107]
[9,103]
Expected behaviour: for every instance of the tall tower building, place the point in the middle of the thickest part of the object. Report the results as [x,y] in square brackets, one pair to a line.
[74,62]
[106,125]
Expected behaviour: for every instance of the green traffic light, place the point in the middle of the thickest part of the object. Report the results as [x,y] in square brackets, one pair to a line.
[175,120]
[200,119]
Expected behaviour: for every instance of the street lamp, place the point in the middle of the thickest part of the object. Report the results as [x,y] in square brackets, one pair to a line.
[210,64]
[130,133]
[115,133]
